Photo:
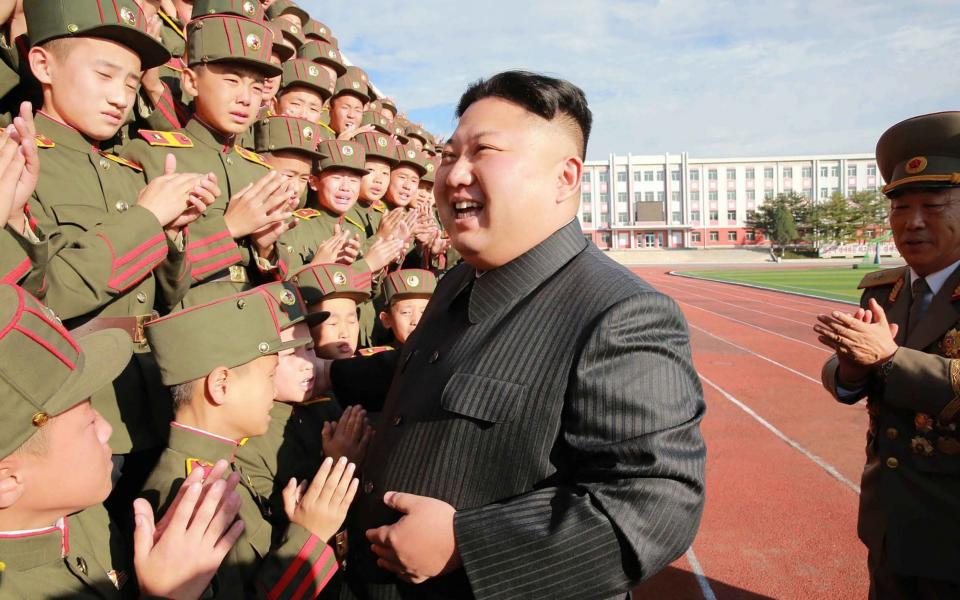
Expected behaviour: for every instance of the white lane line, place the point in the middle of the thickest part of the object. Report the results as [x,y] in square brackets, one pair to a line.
[764,298]
[763,329]
[701,577]
[765,313]
[760,356]
[784,437]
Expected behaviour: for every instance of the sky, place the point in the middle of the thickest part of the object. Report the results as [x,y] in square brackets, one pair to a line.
[713,78]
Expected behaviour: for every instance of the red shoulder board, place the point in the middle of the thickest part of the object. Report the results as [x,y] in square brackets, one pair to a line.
[122,161]
[306,213]
[374,350]
[196,463]
[166,139]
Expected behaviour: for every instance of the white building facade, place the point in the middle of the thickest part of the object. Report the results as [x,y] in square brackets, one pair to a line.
[675,201]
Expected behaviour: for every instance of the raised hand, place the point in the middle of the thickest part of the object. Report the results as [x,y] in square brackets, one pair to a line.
[348,437]
[172,194]
[25,132]
[349,251]
[383,252]
[321,507]
[329,250]
[261,203]
[11,166]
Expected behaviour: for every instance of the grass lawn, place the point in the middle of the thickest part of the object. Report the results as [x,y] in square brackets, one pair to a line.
[838,283]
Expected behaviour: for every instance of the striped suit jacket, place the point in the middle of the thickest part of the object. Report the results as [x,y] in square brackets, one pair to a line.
[554,404]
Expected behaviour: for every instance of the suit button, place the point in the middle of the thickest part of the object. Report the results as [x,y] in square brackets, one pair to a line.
[104,163]
[368,487]
[82,565]
[121,206]
[892,463]
[892,433]
[141,297]
[398,420]
[435,356]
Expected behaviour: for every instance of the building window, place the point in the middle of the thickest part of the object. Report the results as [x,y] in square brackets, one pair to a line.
[605,238]
[676,216]
[622,197]
[768,173]
[712,174]
[660,175]
[695,197]
[694,236]
[751,195]
[638,175]
[714,215]
[586,177]
[604,198]
[768,194]
[648,196]
[731,236]
[588,217]
[648,175]
[851,170]
[621,176]
[714,236]
[695,216]
[872,170]
[834,171]
[851,190]
[622,218]
[788,172]
[824,171]
[751,236]
[834,191]
[731,195]
[712,196]
[675,175]
[675,196]
[806,172]
[731,215]
[604,176]
[695,175]
[732,174]
[585,197]
[808,192]
[661,196]
[751,174]
[824,193]
[638,196]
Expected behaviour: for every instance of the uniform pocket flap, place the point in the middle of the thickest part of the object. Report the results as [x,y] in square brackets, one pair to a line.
[80,215]
[483,398]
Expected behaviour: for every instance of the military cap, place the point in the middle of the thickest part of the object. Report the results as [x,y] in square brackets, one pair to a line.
[334,41]
[400,125]
[351,83]
[342,154]
[377,121]
[377,145]
[409,283]
[317,31]
[332,280]
[324,54]
[417,132]
[250,9]
[279,133]
[388,104]
[44,370]
[431,164]
[408,156]
[229,38]
[291,32]
[283,49]
[306,73]
[921,152]
[374,105]
[227,332]
[286,7]
[121,21]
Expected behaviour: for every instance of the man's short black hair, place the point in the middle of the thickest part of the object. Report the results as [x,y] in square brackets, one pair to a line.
[547,97]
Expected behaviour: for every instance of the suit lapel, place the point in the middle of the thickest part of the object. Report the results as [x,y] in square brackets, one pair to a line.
[941,315]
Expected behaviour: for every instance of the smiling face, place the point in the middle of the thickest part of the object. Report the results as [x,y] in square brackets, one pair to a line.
[374,184]
[227,95]
[337,189]
[339,335]
[404,183]
[88,83]
[294,380]
[502,166]
[301,103]
[926,228]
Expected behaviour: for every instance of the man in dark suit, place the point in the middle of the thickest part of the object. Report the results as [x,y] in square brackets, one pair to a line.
[540,437]
[901,351]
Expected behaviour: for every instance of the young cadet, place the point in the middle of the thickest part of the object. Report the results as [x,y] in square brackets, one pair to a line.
[221,359]
[407,292]
[229,60]
[324,54]
[349,99]
[388,108]
[304,88]
[116,248]
[404,178]
[56,540]
[285,9]
[337,290]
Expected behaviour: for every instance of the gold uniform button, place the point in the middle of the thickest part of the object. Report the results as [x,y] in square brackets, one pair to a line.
[892,463]
[229,161]
[368,487]
[104,163]
[141,297]
[121,206]
[892,433]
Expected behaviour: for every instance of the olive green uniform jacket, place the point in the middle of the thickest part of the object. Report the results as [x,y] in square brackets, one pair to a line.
[264,562]
[22,260]
[910,492]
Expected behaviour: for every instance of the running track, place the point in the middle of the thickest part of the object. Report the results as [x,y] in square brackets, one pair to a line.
[783,458]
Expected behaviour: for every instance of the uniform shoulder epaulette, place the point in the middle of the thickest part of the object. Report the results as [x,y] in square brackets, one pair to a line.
[316,400]
[327,127]
[122,161]
[166,139]
[884,277]
[353,222]
[251,156]
[379,206]
[373,350]
[44,142]
[307,213]
[196,463]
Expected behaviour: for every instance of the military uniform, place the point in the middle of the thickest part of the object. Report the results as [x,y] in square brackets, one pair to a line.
[286,562]
[23,258]
[44,373]
[911,484]
[219,263]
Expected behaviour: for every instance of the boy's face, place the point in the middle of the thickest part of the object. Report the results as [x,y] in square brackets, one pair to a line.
[301,103]
[403,317]
[425,193]
[73,469]
[271,85]
[374,184]
[228,96]
[337,189]
[388,113]
[346,112]
[338,336]
[92,84]
[404,182]
[294,381]
[417,144]
[293,166]
[249,397]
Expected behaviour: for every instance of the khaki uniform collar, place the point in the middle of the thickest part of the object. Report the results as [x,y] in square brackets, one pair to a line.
[202,445]
[200,132]
[24,550]
[64,135]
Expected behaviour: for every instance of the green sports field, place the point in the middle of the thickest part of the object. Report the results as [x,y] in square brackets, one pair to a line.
[837,283]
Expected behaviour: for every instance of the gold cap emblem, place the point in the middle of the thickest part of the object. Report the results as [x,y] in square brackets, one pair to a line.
[332,54]
[411,154]
[413,281]
[347,151]
[339,279]
[429,166]
[294,29]
[382,141]
[249,9]
[128,17]
[263,347]
[288,298]
[356,85]
[916,165]
[308,133]
[253,42]
[313,71]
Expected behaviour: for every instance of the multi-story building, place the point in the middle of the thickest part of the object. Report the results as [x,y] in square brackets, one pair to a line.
[675,201]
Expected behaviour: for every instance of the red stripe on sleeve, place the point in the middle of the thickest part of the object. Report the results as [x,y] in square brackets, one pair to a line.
[291,571]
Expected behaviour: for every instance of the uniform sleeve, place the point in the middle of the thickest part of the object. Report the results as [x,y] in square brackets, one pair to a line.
[22,261]
[629,494]
[173,274]
[922,382]
[299,566]
[828,376]
[90,263]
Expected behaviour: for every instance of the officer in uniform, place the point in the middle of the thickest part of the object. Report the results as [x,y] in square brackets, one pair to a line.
[901,351]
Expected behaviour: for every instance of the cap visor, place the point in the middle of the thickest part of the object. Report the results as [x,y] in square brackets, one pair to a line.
[268,69]
[296,343]
[315,318]
[151,52]
[105,355]
[285,52]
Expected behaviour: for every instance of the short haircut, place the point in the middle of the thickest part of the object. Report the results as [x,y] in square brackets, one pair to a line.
[182,395]
[35,445]
[60,47]
[546,97]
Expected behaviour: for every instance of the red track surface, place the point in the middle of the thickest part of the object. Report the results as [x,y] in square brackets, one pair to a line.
[783,458]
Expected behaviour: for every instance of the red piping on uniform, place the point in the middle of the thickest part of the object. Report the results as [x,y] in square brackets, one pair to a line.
[152,259]
[226,30]
[157,239]
[56,326]
[100,8]
[209,239]
[46,345]
[197,273]
[291,571]
[325,559]
[222,248]
[17,273]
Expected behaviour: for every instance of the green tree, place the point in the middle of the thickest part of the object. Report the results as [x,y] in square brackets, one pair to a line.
[868,209]
[784,230]
[784,219]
